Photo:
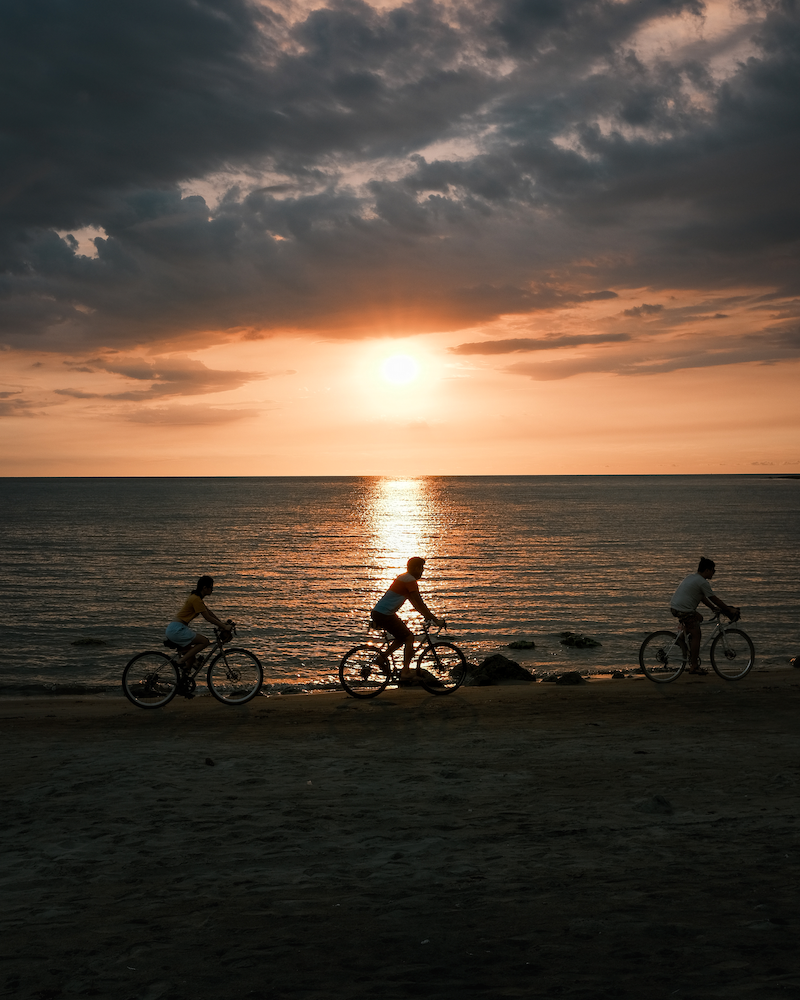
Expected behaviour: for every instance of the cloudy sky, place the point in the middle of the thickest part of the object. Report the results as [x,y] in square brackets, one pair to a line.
[577,222]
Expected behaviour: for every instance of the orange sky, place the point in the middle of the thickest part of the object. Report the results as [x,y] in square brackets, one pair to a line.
[582,228]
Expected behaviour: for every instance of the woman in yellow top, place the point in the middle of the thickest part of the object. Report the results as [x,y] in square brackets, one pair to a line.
[178,630]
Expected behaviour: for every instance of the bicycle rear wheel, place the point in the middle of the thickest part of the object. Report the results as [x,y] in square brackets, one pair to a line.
[361,672]
[150,680]
[234,676]
[732,654]
[442,667]
[661,658]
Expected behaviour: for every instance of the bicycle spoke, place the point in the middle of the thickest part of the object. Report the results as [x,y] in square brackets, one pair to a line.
[362,673]
[442,668]
[661,657]
[732,654]
[150,680]
[235,676]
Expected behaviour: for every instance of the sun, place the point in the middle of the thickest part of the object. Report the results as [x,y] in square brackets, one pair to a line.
[400,369]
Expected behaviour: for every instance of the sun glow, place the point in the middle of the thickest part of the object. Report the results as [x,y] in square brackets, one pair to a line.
[400,369]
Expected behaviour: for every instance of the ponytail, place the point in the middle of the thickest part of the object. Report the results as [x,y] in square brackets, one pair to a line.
[204,581]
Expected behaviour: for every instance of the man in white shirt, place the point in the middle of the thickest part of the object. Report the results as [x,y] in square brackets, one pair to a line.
[693,590]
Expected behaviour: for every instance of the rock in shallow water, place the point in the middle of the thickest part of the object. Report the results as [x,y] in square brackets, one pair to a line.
[578,641]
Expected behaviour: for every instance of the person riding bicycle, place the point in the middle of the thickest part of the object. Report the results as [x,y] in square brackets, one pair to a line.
[693,590]
[178,630]
[384,615]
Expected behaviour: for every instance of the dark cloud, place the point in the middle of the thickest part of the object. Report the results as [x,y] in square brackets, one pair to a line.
[77,393]
[251,171]
[518,344]
[12,404]
[671,357]
[167,377]
[643,310]
[790,338]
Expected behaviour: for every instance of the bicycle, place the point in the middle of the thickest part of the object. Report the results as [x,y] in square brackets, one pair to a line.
[234,676]
[368,669]
[663,654]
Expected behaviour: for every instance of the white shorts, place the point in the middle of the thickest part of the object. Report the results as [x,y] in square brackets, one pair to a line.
[180,634]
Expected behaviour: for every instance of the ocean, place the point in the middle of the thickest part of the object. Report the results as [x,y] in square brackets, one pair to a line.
[95,568]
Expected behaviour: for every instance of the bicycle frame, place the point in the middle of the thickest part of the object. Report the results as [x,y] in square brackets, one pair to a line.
[388,638]
[204,656]
[234,675]
[719,628]
[366,669]
[663,654]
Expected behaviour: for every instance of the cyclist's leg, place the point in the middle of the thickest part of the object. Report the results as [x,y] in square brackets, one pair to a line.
[184,636]
[408,655]
[200,642]
[694,634]
[395,644]
[401,636]
[689,639]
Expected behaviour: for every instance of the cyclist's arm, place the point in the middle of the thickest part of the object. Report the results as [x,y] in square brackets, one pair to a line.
[715,602]
[419,605]
[209,616]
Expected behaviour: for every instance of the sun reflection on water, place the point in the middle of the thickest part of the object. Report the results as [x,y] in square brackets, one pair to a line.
[400,516]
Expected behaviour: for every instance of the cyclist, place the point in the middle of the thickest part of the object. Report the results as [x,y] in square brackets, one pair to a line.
[178,630]
[693,590]
[384,615]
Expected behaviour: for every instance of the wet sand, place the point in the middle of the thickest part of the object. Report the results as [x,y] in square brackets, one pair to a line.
[610,840]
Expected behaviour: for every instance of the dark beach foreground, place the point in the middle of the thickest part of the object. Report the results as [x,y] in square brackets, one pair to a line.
[609,840]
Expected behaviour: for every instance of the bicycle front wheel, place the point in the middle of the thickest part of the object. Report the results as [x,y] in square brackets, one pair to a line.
[661,657]
[150,680]
[362,674]
[442,667]
[732,654]
[234,676]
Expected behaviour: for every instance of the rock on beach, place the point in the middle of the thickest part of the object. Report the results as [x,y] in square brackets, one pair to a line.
[497,669]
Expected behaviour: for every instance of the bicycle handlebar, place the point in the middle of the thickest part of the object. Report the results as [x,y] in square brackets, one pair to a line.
[731,618]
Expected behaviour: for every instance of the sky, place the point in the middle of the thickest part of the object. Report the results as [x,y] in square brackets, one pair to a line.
[458,238]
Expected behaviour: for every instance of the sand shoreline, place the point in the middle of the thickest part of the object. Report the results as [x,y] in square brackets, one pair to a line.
[612,839]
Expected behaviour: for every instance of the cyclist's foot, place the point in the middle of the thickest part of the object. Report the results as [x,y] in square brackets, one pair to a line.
[698,671]
[409,680]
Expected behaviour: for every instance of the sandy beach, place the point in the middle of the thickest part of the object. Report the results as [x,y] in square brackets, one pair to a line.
[610,840]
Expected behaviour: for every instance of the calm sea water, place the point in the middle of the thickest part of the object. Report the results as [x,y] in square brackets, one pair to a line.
[300,561]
